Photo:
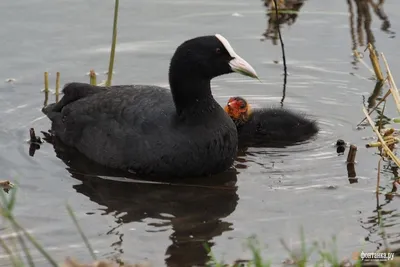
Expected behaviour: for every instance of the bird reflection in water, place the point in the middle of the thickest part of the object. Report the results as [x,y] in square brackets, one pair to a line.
[196,208]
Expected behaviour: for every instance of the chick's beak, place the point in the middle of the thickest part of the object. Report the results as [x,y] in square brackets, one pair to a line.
[233,104]
[241,66]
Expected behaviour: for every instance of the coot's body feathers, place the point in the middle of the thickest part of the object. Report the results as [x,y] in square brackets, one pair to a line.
[275,126]
[151,130]
[136,127]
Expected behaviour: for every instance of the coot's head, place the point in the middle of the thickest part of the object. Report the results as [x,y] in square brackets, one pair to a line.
[208,57]
[238,109]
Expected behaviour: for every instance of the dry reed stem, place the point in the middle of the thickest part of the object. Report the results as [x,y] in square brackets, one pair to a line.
[46,82]
[375,63]
[392,84]
[389,141]
[385,147]
[57,86]
[92,75]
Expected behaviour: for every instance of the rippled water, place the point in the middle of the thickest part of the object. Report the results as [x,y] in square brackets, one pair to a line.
[272,193]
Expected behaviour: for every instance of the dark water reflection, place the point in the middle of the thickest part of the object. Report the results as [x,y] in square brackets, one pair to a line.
[272,192]
[193,209]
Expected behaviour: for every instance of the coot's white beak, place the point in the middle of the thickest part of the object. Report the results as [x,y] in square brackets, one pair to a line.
[237,64]
[241,66]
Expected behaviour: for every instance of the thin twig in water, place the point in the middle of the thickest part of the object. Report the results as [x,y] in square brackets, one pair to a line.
[283,53]
[376,106]
[360,56]
[378,180]
[381,117]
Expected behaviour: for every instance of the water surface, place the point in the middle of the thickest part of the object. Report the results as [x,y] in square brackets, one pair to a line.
[272,192]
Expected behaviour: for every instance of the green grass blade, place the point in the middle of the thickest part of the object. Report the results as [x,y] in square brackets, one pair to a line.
[113,44]
[15,262]
[71,213]
[11,202]
[33,241]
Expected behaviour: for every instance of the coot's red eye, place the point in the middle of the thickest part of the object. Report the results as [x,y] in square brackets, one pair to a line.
[218,50]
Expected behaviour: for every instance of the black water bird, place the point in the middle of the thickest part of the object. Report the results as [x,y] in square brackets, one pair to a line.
[151,130]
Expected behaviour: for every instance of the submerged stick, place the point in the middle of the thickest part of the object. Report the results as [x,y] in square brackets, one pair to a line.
[92,75]
[351,157]
[351,173]
[113,44]
[375,93]
[57,86]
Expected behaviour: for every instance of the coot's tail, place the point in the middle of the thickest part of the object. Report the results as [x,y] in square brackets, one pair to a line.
[55,117]
[72,92]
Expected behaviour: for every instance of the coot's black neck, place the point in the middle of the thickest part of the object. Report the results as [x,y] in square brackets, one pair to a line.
[191,93]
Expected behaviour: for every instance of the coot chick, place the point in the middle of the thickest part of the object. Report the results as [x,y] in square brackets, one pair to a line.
[151,130]
[268,126]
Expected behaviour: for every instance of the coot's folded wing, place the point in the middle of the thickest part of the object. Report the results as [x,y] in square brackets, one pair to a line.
[102,125]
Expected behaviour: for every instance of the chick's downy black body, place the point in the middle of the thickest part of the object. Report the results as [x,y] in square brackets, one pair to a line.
[151,130]
[275,127]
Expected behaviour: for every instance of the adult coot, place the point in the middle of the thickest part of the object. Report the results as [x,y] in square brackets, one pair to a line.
[268,126]
[151,130]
